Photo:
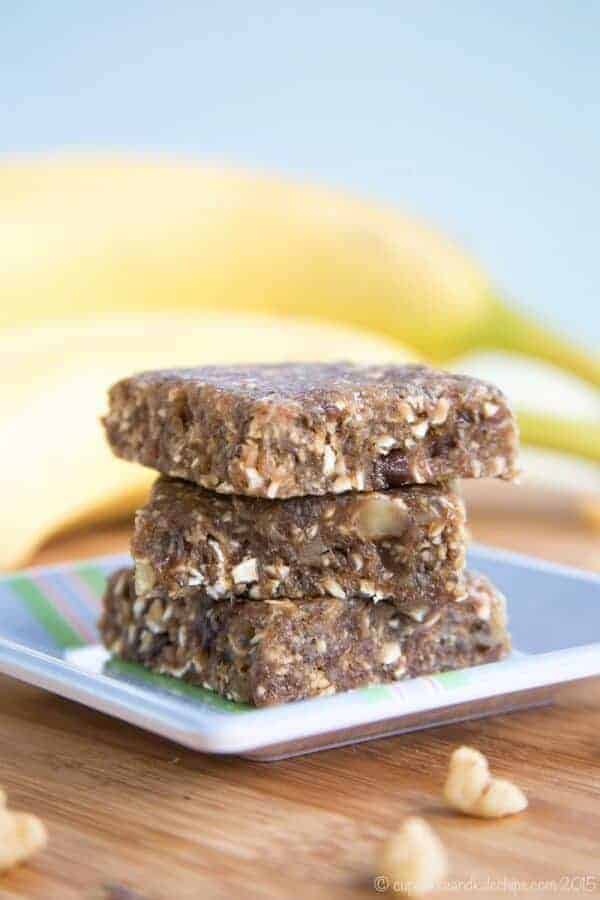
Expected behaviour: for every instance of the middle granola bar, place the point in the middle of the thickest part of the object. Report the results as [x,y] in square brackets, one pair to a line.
[405,545]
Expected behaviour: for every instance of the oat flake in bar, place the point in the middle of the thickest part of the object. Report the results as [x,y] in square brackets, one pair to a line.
[266,652]
[406,545]
[299,429]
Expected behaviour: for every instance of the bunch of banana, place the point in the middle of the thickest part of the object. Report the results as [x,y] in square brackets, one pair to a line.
[84,237]
[227,261]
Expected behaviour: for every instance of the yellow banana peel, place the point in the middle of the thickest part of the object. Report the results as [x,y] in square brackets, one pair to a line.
[83,236]
[131,263]
[57,470]
[558,433]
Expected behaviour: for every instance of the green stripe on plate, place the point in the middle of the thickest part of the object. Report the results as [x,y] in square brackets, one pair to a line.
[94,578]
[452,679]
[374,693]
[46,614]
[137,672]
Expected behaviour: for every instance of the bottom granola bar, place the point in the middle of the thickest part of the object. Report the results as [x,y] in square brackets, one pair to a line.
[272,651]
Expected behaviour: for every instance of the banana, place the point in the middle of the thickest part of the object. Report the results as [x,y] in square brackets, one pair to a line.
[84,236]
[108,265]
[58,471]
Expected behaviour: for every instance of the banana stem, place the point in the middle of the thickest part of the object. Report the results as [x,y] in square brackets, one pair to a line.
[580,438]
[510,329]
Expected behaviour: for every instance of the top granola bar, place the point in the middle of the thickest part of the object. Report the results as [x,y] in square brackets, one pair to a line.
[296,429]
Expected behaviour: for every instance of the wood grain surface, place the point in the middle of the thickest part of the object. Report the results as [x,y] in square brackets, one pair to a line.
[133,816]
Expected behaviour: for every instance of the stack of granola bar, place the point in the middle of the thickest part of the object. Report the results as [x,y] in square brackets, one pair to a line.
[305,535]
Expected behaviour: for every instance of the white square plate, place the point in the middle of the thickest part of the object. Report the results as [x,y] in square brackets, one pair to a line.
[48,637]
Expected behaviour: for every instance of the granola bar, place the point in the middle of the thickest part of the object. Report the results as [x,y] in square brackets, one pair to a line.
[292,430]
[406,545]
[266,652]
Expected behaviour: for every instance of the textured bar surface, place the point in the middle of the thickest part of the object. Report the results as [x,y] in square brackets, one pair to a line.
[405,545]
[292,430]
[266,652]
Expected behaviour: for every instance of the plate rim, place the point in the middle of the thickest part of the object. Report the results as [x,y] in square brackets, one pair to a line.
[219,732]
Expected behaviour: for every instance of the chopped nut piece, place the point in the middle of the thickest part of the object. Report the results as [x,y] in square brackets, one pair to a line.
[406,412]
[490,409]
[380,516]
[341,484]
[418,613]
[245,572]
[21,835]
[386,443]
[390,652]
[421,429]
[359,480]
[328,460]
[471,789]
[216,547]
[154,617]
[357,561]
[144,577]
[334,588]
[273,489]
[440,411]
[255,481]
[413,860]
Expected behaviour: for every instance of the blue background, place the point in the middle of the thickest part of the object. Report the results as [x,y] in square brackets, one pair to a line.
[483,117]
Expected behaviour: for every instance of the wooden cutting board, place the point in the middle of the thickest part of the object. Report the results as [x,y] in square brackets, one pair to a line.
[132,816]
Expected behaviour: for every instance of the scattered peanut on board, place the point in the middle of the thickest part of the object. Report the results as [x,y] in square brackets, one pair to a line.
[21,835]
[413,859]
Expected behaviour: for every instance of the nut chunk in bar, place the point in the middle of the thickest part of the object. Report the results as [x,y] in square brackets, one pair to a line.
[406,545]
[296,429]
[266,652]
